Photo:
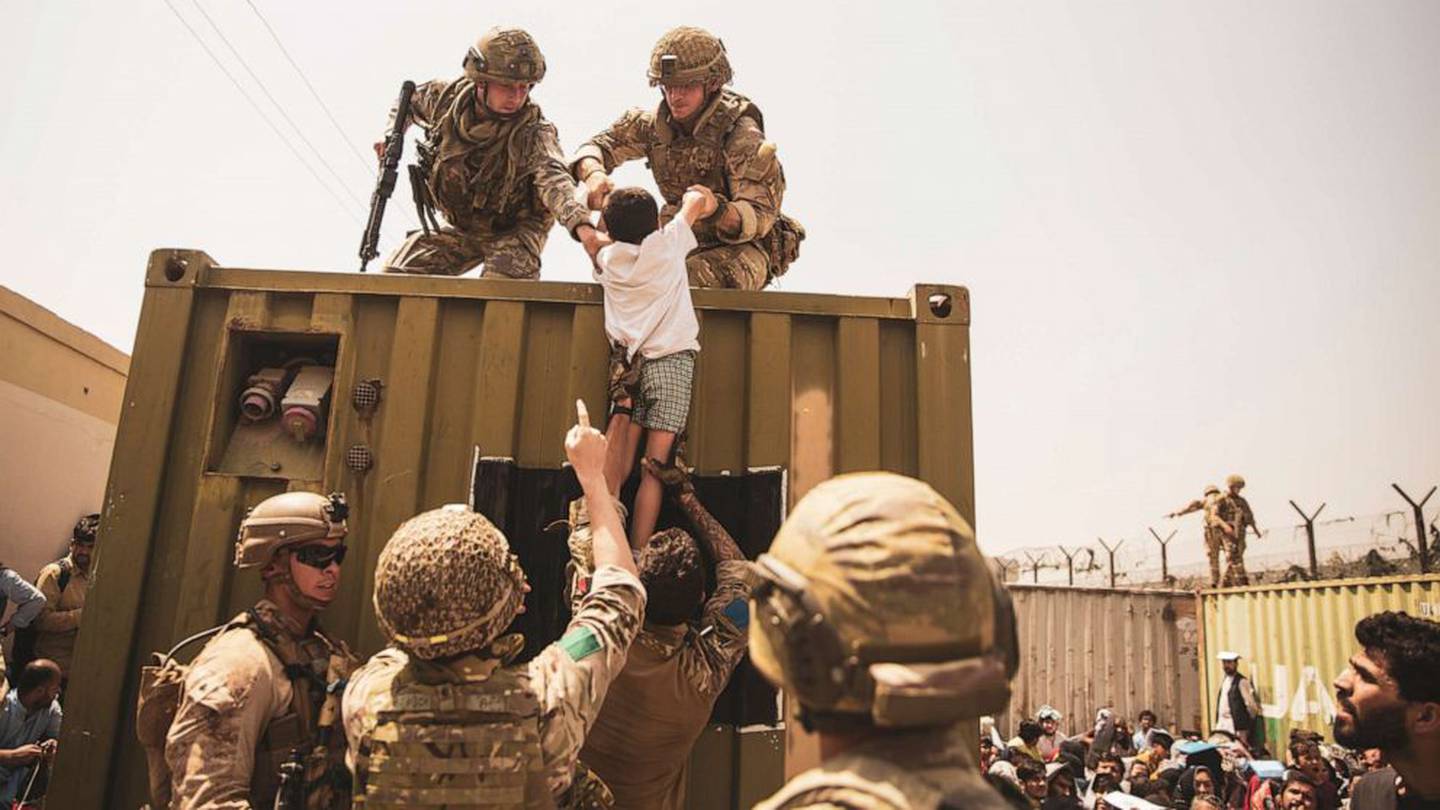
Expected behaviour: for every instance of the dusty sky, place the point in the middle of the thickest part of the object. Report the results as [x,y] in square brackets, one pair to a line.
[1200,238]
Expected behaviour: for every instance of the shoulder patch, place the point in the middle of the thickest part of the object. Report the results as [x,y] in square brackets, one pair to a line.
[579,643]
[738,612]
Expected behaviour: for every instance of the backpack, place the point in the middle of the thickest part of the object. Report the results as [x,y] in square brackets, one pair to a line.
[161,682]
[22,651]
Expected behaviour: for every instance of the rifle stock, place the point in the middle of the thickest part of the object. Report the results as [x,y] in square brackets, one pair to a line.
[385,186]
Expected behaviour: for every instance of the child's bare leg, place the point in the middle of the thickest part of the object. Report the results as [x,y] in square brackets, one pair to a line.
[647,499]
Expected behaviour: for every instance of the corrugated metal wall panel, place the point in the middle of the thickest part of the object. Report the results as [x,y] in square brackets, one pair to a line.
[817,384]
[1295,638]
[1083,649]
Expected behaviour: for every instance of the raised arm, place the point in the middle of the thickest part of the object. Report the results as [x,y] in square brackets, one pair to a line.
[625,140]
[708,531]
[1193,506]
[585,447]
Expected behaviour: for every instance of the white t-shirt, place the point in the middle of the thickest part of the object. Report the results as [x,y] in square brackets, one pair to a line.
[647,292]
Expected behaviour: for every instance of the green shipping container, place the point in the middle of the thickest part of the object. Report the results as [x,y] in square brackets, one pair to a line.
[430,380]
[1295,638]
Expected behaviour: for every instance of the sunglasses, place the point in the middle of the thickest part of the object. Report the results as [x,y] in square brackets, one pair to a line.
[317,556]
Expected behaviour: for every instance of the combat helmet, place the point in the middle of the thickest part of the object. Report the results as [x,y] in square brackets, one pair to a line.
[1234,481]
[686,55]
[876,608]
[507,55]
[446,583]
[288,519]
[1211,489]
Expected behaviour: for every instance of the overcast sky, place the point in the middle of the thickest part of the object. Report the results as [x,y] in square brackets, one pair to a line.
[1200,237]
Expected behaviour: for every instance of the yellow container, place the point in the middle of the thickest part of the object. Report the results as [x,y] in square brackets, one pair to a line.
[1295,638]
[813,384]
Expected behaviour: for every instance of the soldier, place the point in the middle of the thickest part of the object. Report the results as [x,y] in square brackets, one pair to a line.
[1234,516]
[661,701]
[492,165]
[705,134]
[261,692]
[1209,503]
[442,718]
[882,621]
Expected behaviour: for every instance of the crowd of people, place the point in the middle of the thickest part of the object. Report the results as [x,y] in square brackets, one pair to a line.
[1385,754]
[42,627]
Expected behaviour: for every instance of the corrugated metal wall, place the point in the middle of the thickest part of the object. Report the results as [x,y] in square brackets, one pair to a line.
[816,384]
[1294,639]
[1083,649]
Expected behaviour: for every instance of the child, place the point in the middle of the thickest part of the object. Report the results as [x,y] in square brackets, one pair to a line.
[648,312]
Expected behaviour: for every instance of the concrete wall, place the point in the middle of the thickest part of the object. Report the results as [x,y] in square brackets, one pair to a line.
[61,390]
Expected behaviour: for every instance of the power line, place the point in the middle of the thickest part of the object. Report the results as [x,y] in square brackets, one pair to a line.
[278,106]
[367,164]
[296,152]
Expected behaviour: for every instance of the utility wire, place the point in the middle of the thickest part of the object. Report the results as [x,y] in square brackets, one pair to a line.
[283,114]
[281,135]
[366,163]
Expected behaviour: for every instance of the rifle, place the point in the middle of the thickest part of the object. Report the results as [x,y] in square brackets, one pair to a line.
[385,186]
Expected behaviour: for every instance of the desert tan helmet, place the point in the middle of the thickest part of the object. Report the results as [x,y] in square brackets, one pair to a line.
[1211,489]
[687,55]
[288,519]
[1234,481]
[506,55]
[875,607]
[446,583]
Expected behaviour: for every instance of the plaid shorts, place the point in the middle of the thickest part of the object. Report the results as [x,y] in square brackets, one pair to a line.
[664,401]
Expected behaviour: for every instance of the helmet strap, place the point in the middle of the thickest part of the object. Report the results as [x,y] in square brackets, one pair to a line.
[282,577]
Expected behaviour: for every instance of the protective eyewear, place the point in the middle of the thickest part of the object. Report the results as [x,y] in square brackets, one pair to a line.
[317,556]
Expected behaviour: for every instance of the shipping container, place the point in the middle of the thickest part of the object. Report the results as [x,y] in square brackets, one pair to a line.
[421,391]
[1295,638]
[1083,649]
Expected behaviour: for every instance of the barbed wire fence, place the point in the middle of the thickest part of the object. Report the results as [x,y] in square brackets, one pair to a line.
[1171,553]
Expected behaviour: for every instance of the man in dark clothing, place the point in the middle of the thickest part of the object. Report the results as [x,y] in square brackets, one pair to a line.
[1389,698]
[1236,707]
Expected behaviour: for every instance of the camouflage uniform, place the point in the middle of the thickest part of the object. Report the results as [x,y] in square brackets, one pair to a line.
[499,181]
[443,717]
[260,691]
[725,150]
[661,701]
[1214,536]
[1234,515]
[241,712]
[879,616]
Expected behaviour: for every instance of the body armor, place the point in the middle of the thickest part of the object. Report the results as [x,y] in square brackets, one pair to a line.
[464,735]
[679,161]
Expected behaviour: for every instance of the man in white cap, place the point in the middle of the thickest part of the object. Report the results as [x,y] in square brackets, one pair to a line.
[1236,707]
[1050,737]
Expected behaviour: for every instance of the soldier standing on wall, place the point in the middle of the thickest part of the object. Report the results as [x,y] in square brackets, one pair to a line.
[442,718]
[492,165]
[1234,515]
[1210,504]
[882,621]
[260,692]
[703,134]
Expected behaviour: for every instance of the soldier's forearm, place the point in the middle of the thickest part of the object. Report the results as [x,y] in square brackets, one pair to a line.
[708,530]
[586,166]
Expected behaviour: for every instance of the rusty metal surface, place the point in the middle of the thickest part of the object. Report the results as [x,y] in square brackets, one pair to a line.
[1295,638]
[469,367]
[1083,649]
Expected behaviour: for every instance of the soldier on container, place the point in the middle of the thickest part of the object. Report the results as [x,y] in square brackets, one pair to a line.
[1234,515]
[1389,698]
[1236,706]
[263,688]
[442,717]
[703,134]
[1213,536]
[882,621]
[659,704]
[492,166]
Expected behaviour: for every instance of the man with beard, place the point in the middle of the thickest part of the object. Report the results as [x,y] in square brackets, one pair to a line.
[491,165]
[1236,706]
[1389,698]
[65,583]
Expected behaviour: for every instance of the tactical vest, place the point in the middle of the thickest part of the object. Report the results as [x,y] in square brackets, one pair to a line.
[465,168]
[679,161]
[308,731]
[454,740]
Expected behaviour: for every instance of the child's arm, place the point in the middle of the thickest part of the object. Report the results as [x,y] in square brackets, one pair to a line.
[698,203]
